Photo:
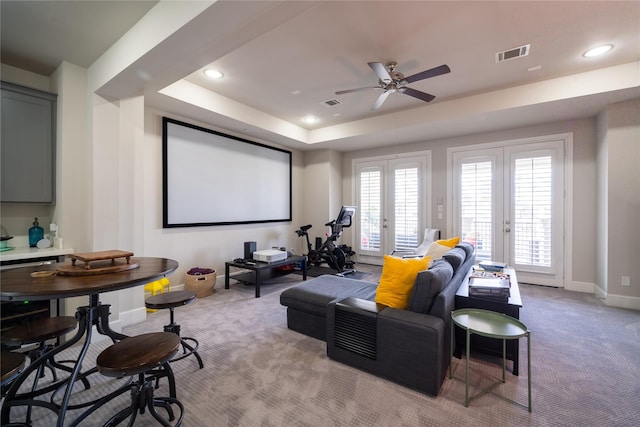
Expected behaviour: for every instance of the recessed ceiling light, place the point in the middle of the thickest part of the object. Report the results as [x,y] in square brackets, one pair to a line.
[310,120]
[599,50]
[213,74]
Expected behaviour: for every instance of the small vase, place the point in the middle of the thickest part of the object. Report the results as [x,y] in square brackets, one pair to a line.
[36,233]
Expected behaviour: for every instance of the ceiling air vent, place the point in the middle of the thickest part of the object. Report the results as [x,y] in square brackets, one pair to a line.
[516,52]
[331,102]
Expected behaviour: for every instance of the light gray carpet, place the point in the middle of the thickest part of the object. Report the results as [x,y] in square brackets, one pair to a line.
[585,362]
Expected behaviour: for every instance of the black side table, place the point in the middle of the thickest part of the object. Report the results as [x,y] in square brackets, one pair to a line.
[262,270]
[510,308]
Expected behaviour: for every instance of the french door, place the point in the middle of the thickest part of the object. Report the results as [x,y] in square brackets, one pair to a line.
[509,202]
[391,195]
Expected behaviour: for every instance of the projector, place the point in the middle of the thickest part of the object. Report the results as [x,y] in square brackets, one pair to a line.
[270,255]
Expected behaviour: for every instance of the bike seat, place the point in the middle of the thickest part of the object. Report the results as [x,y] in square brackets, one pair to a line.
[305,227]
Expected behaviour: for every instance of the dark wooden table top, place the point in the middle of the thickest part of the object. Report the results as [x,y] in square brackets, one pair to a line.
[18,285]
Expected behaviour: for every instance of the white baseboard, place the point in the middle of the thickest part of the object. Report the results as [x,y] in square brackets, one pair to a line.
[622,301]
[619,301]
[611,300]
[581,287]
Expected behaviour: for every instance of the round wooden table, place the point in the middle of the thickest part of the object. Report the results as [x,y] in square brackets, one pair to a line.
[19,285]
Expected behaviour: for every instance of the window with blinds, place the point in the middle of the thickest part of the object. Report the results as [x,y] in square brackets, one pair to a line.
[476,206]
[370,208]
[406,209]
[533,211]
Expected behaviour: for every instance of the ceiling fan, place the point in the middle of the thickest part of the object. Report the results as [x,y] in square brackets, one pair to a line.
[394,81]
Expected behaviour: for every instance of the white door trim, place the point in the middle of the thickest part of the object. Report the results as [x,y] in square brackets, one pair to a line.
[567,138]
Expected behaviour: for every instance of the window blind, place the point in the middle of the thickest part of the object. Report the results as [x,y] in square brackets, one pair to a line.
[476,206]
[533,211]
[406,208]
[370,208]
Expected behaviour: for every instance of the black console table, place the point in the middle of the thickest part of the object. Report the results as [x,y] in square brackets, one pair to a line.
[510,308]
[263,270]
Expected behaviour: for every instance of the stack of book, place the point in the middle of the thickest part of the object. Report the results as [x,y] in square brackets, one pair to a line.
[490,285]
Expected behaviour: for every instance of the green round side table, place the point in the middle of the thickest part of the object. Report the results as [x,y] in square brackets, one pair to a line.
[492,325]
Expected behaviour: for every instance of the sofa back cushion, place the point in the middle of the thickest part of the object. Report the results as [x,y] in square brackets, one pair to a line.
[467,247]
[455,257]
[427,286]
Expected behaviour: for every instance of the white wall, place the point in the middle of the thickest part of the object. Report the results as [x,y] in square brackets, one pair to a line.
[322,193]
[205,246]
[619,198]
[71,211]
[73,178]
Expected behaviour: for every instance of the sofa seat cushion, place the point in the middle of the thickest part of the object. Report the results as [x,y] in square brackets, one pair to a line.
[428,285]
[313,296]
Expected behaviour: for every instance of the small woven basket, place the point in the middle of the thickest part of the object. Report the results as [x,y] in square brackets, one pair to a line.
[201,284]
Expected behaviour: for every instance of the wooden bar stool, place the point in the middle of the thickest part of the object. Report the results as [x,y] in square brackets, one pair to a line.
[157,286]
[171,300]
[12,364]
[138,356]
[39,331]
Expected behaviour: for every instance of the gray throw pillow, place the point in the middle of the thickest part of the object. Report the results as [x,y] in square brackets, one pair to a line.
[428,285]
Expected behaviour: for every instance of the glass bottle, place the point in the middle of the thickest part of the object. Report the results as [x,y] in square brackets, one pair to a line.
[36,233]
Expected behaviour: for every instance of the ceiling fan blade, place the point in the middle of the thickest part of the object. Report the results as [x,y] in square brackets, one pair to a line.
[342,92]
[427,97]
[433,72]
[380,100]
[381,71]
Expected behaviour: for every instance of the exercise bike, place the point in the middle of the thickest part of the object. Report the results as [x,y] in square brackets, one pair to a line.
[337,257]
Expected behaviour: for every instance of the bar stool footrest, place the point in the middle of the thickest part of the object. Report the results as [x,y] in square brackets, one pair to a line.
[189,349]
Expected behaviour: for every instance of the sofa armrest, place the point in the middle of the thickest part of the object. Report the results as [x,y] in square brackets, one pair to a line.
[400,345]
[414,340]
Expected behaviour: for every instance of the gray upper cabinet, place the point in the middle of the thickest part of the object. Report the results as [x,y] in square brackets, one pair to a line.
[27,145]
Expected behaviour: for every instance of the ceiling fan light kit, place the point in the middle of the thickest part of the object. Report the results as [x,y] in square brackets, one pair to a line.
[392,81]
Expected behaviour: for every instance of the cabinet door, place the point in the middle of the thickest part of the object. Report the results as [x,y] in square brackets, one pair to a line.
[27,147]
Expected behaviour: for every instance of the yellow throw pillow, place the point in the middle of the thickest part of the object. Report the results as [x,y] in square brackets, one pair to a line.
[398,277]
[452,242]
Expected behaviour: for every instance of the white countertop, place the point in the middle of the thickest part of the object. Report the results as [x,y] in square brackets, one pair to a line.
[20,253]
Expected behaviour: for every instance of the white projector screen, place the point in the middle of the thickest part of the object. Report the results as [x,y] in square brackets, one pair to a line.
[210,178]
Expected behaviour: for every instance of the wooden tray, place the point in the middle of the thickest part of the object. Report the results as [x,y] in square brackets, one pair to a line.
[89,257]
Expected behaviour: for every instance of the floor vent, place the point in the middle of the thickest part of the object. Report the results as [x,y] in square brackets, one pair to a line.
[516,52]
[331,102]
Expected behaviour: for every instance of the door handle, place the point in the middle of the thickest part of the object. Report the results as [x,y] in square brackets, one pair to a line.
[506,230]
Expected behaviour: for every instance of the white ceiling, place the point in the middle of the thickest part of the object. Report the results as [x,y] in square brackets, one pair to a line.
[269,49]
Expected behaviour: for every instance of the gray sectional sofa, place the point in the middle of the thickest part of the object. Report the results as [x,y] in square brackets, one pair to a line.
[410,347]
